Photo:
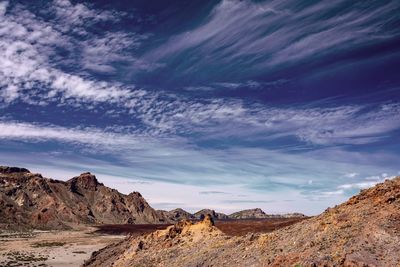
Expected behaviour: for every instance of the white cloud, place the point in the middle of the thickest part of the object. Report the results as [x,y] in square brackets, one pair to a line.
[28,44]
[333,193]
[85,136]
[351,174]
[3,7]
[28,73]
[73,15]
[370,181]
[263,35]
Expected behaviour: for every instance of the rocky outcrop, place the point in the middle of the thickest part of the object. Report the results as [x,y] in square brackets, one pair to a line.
[260,214]
[9,170]
[249,214]
[143,250]
[29,200]
[176,215]
[364,231]
[201,214]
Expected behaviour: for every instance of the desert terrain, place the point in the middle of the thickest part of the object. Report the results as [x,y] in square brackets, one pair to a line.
[364,231]
[47,222]
[51,248]
[61,248]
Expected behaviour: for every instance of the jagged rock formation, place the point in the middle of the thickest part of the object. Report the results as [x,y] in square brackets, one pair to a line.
[201,214]
[176,215]
[29,200]
[364,231]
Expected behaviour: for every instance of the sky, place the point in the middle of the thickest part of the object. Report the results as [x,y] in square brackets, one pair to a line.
[289,106]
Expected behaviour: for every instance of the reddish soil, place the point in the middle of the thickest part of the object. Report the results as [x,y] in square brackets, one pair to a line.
[133,229]
[243,227]
[229,227]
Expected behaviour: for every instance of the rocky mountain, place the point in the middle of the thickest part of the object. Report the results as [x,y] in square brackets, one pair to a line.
[176,215]
[249,214]
[30,200]
[364,231]
[201,214]
[260,214]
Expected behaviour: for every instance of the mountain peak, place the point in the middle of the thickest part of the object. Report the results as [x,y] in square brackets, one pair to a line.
[9,170]
[85,180]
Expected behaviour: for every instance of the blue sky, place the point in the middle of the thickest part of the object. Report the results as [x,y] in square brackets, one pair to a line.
[283,105]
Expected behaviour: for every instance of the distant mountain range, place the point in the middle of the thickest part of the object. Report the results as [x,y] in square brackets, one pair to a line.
[30,200]
[180,214]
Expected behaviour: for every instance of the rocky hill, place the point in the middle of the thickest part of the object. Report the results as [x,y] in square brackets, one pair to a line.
[176,215]
[364,231]
[250,213]
[201,214]
[30,200]
[260,214]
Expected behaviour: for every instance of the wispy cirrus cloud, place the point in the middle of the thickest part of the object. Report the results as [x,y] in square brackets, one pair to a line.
[272,34]
[85,136]
[29,73]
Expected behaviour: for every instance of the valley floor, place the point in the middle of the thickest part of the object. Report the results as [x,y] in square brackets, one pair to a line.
[51,248]
[72,248]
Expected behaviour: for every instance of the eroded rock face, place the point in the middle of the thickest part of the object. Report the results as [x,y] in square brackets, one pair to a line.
[29,200]
[364,231]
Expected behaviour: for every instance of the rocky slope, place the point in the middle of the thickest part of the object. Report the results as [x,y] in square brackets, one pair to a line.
[364,231]
[30,200]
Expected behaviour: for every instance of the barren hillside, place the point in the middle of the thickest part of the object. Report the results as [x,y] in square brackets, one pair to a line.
[30,200]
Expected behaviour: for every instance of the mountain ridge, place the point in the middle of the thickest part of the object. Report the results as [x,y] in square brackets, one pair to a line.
[32,201]
[29,200]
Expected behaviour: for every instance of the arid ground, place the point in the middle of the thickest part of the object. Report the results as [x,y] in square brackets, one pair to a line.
[229,227]
[72,248]
[51,248]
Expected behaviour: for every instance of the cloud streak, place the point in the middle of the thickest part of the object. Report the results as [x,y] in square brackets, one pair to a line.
[274,34]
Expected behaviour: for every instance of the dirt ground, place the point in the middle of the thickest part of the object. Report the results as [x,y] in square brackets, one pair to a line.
[243,227]
[72,248]
[229,227]
[53,248]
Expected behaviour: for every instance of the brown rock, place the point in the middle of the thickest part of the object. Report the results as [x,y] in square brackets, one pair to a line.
[30,201]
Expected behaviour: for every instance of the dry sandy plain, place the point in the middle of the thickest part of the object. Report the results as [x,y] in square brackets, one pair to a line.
[51,248]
